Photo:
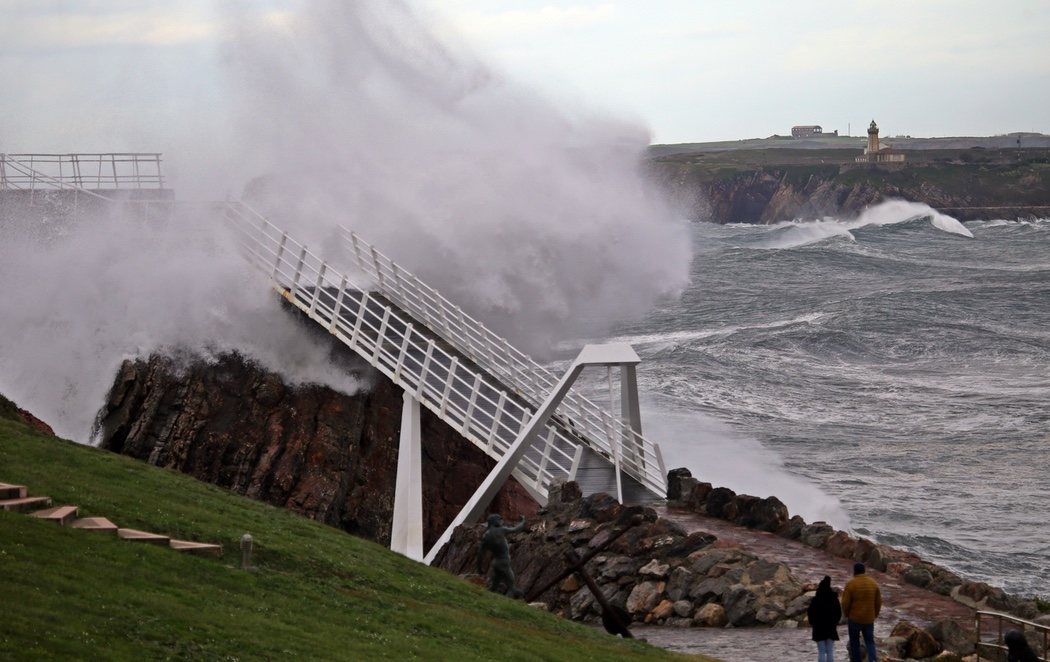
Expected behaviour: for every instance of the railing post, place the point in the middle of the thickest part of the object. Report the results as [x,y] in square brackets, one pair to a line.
[298,272]
[277,260]
[404,350]
[337,309]
[470,405]
[448,385]
[317,287]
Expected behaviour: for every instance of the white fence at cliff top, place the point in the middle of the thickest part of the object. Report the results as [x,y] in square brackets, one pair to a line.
[85,172]
[476,404]
[640,458]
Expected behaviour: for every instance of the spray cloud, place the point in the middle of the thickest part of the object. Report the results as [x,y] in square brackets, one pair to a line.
[536,220]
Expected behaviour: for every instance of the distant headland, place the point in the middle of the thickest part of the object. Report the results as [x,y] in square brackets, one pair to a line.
[816,174]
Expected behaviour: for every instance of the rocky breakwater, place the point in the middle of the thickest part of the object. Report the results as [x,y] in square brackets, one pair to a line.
[926,627]
[318,452]
[666,572]
[656,571]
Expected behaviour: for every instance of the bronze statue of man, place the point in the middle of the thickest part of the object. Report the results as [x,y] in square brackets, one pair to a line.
[494,540]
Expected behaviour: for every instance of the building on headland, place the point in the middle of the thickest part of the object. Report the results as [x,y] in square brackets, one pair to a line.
[876,153]
[810,131]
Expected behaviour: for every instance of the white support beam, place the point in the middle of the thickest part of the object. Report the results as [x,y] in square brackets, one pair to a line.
[605,355]
[406,531]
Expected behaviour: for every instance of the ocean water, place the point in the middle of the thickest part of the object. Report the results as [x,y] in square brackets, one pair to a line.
[890,374]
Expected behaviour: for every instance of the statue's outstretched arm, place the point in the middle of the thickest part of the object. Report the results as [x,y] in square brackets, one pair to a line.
[517,527]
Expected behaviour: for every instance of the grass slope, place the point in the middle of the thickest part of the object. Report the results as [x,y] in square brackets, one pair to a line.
[317,593]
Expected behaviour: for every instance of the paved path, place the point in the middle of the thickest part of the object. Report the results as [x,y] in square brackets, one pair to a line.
[901,601]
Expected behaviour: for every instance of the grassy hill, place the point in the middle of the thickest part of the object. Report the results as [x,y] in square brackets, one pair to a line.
[316,592]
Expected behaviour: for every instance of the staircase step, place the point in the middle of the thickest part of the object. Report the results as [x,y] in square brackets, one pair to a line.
[196,548]
[95,524]
[25,503]
[64,515]
[143,536]
[12,491]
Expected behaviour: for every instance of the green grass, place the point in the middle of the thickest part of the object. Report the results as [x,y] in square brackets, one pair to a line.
[316,593]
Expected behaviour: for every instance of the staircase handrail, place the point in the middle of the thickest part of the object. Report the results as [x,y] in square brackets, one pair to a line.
[438,379]
[999,619]
[532,381]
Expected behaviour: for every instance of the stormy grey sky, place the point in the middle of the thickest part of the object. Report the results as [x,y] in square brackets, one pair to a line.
[141,74]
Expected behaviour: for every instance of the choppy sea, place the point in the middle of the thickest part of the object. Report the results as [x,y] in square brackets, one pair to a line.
[890,374]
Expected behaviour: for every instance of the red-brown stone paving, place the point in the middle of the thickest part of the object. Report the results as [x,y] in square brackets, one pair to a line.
[900,600]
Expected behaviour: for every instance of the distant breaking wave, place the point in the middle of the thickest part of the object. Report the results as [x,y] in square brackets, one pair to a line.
[793,234]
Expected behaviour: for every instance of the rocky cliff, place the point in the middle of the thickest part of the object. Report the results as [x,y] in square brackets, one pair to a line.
[718,192]
[324,454]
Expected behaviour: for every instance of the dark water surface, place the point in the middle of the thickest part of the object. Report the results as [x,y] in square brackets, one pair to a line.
[894,366]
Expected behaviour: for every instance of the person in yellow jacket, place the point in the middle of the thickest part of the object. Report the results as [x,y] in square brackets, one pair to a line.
[861,603]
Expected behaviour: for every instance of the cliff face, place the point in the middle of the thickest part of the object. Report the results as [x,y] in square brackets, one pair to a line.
[318,452]
[772,193]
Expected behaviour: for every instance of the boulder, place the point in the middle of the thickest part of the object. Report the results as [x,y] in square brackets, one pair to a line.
[696,500]
[769,514]
[919,643]
[676,481]
[644,597]
[918,576]
[841,544]
[721,503]
[679,582]
[816,534]
[683,608]
[741,606]
[953,636]
[654,569]
[711,616]
[660,612]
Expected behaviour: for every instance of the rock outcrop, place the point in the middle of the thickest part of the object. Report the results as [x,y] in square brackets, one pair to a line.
[324,454]
[772,193]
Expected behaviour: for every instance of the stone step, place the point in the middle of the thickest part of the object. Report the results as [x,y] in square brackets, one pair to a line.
[196,548]
[95,524]
[143,536]
[25,503]
[64,515]
[12,491]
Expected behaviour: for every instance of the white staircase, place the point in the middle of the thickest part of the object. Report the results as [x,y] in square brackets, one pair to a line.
[610,437]
[471,378]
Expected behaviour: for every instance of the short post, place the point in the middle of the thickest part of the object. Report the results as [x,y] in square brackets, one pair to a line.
[246,551]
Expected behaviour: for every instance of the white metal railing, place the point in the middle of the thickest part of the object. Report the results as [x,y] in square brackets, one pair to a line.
[612,436]
[472,403]
[86,172]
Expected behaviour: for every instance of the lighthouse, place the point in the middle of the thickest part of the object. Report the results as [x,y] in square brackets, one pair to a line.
[873,138]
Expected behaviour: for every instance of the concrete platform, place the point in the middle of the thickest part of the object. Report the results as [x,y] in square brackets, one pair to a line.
[25,503]
[196,548]
[95,524]
[143,536]
[8,491]
[64,515]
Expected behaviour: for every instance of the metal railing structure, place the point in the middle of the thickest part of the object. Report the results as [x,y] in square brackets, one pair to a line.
[609,435]
[997,647]
[460,393]
[87,172]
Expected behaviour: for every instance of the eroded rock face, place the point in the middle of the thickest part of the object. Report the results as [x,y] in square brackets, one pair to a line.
[324,454]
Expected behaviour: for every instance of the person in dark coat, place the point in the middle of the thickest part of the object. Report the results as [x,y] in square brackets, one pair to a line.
[1017,648]
[824,614]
